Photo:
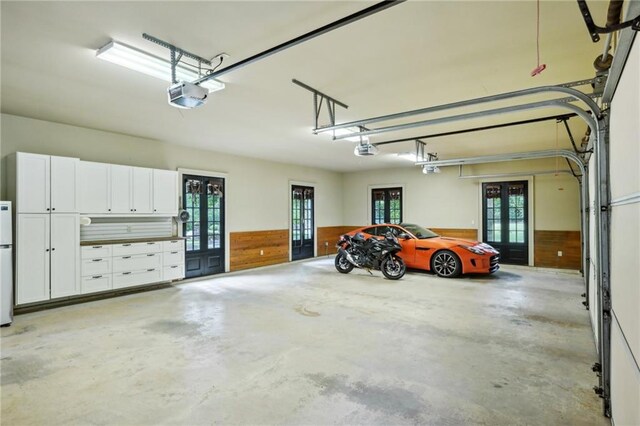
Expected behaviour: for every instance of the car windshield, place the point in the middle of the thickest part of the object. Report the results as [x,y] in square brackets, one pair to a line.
[420,232]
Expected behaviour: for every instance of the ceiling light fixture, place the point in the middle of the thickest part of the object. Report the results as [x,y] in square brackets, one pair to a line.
[154,66]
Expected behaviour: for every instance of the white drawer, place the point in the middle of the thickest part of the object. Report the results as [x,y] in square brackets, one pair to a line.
[96,266]
[130,279]
[95,283]
[137,262]
[95,252]
[175,272]
[128,249]
[173,245]
[172,258]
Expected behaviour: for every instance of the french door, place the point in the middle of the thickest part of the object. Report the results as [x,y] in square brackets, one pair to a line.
[386,205]
[204,231]
[505,208]
[302,226]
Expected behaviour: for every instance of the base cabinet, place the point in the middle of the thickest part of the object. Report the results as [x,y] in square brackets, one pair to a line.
[116,266]
[48,258]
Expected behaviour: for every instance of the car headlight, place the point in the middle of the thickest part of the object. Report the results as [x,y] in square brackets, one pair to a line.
[473,249]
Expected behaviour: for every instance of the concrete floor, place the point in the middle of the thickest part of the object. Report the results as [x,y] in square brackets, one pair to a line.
[302,344]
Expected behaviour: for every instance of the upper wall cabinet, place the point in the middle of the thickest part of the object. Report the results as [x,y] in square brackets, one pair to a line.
[142,187]
[165,192]
[95,187]
[116,189]
[46,184]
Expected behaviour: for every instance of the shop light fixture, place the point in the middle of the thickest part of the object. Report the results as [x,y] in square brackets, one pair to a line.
[154,66]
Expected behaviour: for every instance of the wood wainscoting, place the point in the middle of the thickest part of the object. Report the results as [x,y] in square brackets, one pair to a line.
[547,244]
[245,248]
[330,236]
[466,233]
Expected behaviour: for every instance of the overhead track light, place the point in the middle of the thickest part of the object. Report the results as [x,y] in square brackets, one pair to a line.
[154,66]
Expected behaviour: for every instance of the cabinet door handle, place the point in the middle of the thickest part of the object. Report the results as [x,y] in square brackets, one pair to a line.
[152,254]
[151,244]
[96,247]
[126,257]
[53,249]
[97,276]
[53,208]
[150,270]
[46,250]
[126,245]
[97,260]
[126,273]
[109,209]
[175,266]
[174,252]
[48,209]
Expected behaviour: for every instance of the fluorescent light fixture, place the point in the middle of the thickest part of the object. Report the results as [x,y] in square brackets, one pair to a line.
[146,63]
[350,131]
[409,156]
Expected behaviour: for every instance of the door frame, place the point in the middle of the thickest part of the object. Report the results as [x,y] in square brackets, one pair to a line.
[384,186]
[222,175]
[315,216]
[530,210]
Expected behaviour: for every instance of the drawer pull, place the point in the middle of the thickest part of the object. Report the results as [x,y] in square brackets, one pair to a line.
[97,276]
[126,273]
[174,252]
[150,270]
[126,245]
[150,255]
[126,257]
[174,266]
[97,260]
[96,246]
[151,244]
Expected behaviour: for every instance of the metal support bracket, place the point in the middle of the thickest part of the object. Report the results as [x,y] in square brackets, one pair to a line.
[318,99]
[595,30]
[176,55]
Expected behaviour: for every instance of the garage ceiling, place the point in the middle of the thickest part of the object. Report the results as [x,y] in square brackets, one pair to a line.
[416,54]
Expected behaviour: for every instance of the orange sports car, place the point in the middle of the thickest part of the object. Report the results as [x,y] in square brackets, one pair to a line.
[447,257]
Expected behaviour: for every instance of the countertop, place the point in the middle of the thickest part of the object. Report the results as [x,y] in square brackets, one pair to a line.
[132,240]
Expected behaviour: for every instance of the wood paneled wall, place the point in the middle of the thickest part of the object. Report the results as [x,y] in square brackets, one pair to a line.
[548,243]
[330,235]
[245,248]
[468,234]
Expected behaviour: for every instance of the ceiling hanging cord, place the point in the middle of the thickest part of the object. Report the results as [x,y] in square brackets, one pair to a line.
[541,67]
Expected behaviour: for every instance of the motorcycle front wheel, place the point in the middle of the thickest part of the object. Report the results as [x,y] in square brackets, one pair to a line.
[393,268]
[342,264]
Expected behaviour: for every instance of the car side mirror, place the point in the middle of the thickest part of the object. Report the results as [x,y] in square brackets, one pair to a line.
[404,236]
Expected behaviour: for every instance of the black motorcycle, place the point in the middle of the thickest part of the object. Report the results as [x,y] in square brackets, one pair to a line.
[370,254]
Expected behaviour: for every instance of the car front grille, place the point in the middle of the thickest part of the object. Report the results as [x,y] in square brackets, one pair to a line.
[493,265]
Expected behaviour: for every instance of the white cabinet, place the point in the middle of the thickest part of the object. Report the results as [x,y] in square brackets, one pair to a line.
[165,192]
[46,183]
[48,257]
[142,190]
[121,189]
[64,184]
[65,255]
[94,187]
[32,271]
[33,183]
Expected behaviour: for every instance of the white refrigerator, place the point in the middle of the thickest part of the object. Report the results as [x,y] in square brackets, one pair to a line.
[6,264]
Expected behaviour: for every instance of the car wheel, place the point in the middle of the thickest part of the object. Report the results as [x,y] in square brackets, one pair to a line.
[393,268]
[446,264]
[342,264]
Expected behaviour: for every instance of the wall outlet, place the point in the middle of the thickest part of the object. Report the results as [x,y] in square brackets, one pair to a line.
[261,252]
[559,254]
[326,243]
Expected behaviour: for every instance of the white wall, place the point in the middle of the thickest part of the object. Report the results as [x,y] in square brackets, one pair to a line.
[624,157]
[257,191]
[446,201]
